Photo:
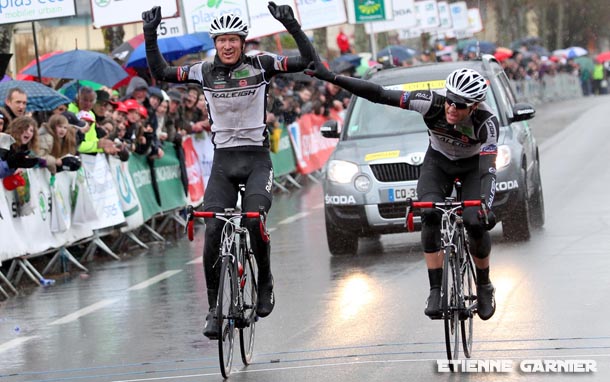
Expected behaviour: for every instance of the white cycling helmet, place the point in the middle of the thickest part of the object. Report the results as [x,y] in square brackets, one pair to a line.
[228,23]
[467,84]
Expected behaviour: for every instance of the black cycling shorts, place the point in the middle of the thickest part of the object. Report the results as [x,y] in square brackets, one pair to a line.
[230,168]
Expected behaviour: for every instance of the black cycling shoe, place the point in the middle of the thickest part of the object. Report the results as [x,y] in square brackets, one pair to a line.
[211,327]
[433,304]
[486,301]
[266,299]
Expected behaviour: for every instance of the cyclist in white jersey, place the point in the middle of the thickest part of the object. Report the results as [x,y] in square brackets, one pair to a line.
[235,88]
[463,144]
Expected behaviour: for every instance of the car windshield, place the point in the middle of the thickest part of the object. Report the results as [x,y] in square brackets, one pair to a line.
[370,119]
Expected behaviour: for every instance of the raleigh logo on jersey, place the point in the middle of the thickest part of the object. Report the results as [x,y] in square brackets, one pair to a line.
[242,93]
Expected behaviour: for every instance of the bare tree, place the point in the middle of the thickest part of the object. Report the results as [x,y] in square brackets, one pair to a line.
[6,35]
[113,37]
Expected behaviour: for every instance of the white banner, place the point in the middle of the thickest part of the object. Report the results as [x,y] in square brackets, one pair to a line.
[128,198]
[444,15]
[459,15]
[202,143]
[103,191]
[426,13]
[171,27]
[321,13]
[404,18]
[198,14]
[475,25]
[108,12]
[262,23]
[18,11]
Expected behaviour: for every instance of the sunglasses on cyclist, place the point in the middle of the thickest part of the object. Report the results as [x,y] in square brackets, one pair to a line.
[459,104]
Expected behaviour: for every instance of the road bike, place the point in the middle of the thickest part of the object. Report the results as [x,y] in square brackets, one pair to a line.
[458,290]
[238,286]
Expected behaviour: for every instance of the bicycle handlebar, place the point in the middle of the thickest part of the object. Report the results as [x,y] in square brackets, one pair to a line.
[445,205]
[192,214]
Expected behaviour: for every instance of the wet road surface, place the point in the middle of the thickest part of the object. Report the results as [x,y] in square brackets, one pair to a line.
[352,318]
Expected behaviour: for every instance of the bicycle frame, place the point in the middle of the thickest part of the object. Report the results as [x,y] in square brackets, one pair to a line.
[238,289]
[458,298]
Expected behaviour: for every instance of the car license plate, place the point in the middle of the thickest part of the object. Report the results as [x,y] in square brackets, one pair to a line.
[398,194]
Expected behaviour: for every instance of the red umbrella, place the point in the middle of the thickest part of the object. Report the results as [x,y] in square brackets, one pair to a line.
[503,53]
[603,56]
[123,51]
[28,77]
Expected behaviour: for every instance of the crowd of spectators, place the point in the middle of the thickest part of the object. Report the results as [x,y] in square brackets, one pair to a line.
[141,117]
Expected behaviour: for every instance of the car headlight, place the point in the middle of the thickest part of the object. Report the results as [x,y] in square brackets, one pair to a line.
[362,183]
[503,158]
[341,171]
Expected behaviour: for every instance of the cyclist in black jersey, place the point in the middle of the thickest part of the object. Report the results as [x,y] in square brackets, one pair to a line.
[463,134]
[235,88]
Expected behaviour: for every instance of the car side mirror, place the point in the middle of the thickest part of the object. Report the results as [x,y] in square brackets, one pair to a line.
[330,129]
[523,112]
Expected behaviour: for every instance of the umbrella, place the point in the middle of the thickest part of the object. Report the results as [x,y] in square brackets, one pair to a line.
[586,63]
[40,97]
[351,59]
[70,89]
[483,47]
[399,52]
[503,53]
[603,57]
[32,64]
[576,51]
[172,48]
[82,65]
[123,51]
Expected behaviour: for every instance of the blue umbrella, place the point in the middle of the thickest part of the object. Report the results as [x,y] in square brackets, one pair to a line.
[349,59]
[483,46]
[81,65]
[172,48]
[397,52]
[40,97]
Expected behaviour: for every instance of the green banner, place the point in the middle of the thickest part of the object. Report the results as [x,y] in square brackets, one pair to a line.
[167,170]
[369,10]
[283,161]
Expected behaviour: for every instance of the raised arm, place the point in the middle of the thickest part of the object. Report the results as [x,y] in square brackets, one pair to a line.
[159,68]
[284,14]
[361,88]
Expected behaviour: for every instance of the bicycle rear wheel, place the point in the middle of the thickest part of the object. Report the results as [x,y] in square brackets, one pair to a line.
[250,298]
[469,294]
[449,303]
[225,311]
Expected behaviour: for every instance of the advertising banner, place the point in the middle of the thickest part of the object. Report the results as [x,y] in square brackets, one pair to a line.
[311,148]
[283,160]
[130,205]
[102,191]
[194,171]
[113,12]
[198,15]
[202,143]
[321,13]
[365,11]
[404,18]
[19,11]
[140,175]
[169,181]
[262,23]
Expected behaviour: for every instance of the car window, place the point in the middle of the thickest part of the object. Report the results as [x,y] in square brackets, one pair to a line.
[372,119]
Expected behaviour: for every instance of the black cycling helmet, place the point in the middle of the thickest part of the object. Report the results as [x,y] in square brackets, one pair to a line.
[467,84]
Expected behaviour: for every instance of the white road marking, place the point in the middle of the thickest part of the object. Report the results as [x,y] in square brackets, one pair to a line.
[198,260]
[294,218]
[154,280]
[83,312]
[14,343]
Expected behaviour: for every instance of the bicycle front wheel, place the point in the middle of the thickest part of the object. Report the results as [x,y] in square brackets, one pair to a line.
[225,311]
[249,286]
[468,287]
[449,306]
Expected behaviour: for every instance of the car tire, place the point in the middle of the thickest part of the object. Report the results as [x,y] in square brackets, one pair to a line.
[339,241]
[517,225]
[537,213]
